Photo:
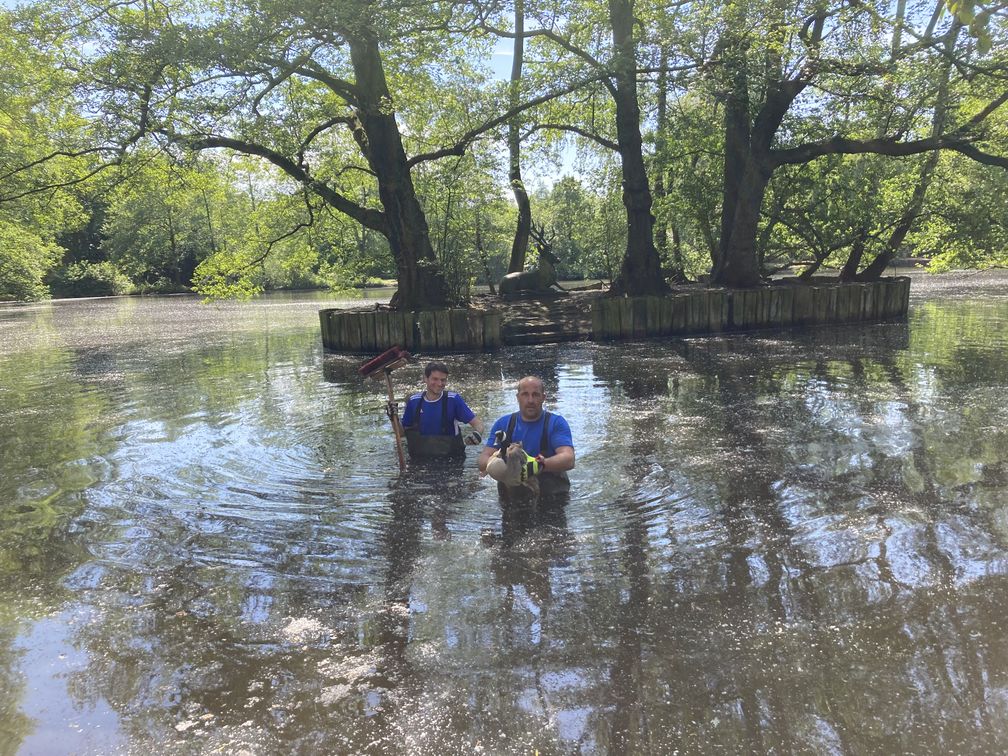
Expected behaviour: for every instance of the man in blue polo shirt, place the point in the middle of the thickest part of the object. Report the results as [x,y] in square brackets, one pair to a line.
[545,436]
[432,416]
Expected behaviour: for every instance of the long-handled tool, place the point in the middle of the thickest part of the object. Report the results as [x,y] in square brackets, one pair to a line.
[381,365]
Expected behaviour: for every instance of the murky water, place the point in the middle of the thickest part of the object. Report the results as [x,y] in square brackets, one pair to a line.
[775,542]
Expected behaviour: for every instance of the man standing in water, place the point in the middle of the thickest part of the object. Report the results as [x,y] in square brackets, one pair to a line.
[431,418]
[545,436]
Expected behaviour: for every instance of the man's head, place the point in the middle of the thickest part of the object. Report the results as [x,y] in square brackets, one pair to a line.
[436,378]
[531,396]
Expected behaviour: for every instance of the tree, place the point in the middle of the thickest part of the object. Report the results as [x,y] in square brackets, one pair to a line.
[275,80]
[571,36]
[519,247]
[776,68]
[35,110]
[160,221]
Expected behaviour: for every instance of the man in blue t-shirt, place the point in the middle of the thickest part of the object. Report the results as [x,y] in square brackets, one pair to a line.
[545,436]
[432,416]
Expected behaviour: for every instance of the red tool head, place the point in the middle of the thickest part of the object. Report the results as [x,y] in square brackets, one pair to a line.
[388,360]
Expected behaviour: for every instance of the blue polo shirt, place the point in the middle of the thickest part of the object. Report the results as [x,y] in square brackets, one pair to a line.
[432,414]
[530,434]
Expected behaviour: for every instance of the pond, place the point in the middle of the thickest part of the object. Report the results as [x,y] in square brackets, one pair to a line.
[786,542]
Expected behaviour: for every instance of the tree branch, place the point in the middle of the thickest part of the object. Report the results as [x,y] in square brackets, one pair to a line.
[466,139]
[957,140]
[342,87]
[607,143]
[322,127]
[373,219]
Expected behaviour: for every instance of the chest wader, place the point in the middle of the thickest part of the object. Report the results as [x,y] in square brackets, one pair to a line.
[448,444]
[550,483]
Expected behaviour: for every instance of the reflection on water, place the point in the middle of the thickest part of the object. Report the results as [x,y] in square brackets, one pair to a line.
[793,542]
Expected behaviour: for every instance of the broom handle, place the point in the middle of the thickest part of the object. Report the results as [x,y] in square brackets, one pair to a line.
[396,428]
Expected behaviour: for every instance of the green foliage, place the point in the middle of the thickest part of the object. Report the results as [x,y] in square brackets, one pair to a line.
[230,226]
[25,259]
[161,220]
[36,112]
[229,274]
[691,161]
[977,18]
[965,223]
[88,279]
[468,213]
[568,210]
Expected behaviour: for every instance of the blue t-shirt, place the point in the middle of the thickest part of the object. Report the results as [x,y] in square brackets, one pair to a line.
[432,414]
[530,434]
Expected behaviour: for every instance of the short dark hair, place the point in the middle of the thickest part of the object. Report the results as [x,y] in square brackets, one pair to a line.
[432,366]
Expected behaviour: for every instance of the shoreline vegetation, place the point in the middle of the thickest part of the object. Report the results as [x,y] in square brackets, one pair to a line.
[481,299]
[339,150]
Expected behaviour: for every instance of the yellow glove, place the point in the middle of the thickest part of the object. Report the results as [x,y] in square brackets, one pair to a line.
[532,465]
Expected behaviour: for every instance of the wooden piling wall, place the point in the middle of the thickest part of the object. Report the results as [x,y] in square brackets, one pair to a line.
[625,318]
[780,306]
[455,330]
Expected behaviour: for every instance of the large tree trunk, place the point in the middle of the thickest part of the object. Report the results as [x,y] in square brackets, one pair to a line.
[736,152]
[640,272]
[738,261]
[519,247]
[748,161]
[746,175]
[421,282]
[849,271]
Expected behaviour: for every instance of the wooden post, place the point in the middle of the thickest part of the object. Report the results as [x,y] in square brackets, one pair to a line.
[597,320]
[427,328]
[492,330]
[626,317]
[369,340]
[653,327]
[803,307]
[783,310]
[381,329]
[474,329]
[717,310]
[354,340]
[639,308]
[324,325]
[678,322]
[664,316]
[442,330]
[411,330]
[460,331]
[396,427]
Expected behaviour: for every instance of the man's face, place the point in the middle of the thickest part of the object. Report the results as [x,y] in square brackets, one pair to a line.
[436,382]
[530,399]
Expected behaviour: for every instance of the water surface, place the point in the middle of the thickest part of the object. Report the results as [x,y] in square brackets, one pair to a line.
[787,542]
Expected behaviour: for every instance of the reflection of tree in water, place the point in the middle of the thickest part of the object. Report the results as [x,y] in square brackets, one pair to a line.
[317,663]
[795,628]
[848,574]
[51,451]
[629,722]
[14,725]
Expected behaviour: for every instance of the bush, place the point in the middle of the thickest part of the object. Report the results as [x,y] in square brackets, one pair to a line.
[87,279]
[25,258]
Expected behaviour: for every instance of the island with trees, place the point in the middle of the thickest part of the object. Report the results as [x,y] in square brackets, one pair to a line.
[689,151]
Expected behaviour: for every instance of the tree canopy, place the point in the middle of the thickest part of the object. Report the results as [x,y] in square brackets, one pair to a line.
[227,147]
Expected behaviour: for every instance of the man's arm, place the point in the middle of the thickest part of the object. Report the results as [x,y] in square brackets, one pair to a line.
[484,457]
[463,410]
[408,412]
[562,461]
